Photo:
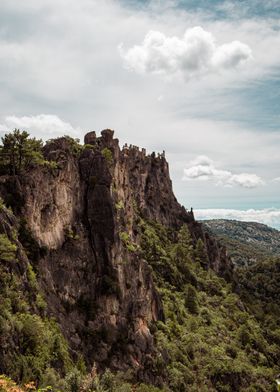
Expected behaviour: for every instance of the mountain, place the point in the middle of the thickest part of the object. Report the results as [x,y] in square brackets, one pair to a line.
[107,283]
[246,242]
[255,251]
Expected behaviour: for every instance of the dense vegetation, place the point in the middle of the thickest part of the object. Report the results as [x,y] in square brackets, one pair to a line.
[254,248]
[211,340]
[30,342]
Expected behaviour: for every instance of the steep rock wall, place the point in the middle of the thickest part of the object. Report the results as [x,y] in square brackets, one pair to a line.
[85,213]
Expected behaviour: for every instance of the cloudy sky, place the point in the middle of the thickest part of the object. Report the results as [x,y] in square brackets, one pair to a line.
[197,78]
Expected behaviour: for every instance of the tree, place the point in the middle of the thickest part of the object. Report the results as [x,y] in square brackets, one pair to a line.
[191,301]
[19,151]
[181,255]
[184,237]
[200,253]
[183,249]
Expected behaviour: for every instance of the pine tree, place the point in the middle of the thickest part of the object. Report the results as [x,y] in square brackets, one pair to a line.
[19,151]
[183,249]
[191,301]
[184,237]
[200,253]
[181,254]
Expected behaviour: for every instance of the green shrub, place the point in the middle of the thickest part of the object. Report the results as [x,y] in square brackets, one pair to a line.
[73,381]
[31,276]
[52,381]
[147,388]
[71,234]
[126,240]
[40,302]
[107,154]
[244,335]
[120,205]
[7,249]
[52,165]
[89,147]
[74,143]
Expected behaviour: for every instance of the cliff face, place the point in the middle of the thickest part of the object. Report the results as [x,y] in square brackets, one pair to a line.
[84,215]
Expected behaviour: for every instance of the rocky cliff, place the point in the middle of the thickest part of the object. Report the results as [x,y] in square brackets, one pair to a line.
[83,216]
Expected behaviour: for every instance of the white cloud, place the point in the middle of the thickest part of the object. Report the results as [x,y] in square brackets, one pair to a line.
[203,168]
[201,160]
[195,54]
[268,216]
[231,55]
[46,125]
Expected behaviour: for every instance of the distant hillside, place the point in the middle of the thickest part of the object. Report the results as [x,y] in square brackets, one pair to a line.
[246,242]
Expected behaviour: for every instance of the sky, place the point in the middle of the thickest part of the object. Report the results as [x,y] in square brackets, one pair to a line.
[199,79]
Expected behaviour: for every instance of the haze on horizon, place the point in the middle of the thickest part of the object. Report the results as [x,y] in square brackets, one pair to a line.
[198,79]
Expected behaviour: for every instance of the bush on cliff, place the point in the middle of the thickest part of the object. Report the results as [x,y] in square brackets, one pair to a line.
[7,248]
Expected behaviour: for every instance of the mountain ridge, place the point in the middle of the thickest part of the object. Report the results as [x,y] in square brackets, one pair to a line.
[259,239]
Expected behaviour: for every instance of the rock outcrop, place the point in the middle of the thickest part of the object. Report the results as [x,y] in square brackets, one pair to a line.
[84,212]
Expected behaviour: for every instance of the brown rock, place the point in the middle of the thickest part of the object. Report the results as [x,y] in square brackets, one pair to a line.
[90,138]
